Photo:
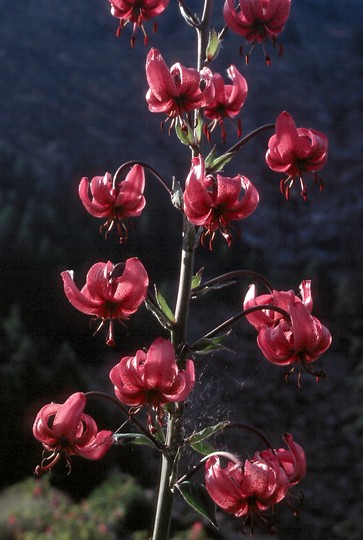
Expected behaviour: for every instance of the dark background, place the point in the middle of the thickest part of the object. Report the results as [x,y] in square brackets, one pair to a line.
[72,104]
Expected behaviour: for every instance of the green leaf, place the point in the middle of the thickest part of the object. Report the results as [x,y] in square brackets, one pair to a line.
[210,157]
[196,280]
[206,432]
[132,438]
[203,447]
[213,46]
[156,311]
[207,345]
[197,497]
[163,305]
[219,162]
[214,287]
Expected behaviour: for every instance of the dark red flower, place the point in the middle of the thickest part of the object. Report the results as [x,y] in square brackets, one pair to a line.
[257,20]
[111,291]
[295,151]
[228,98]
[136,12]
[214,202]
[64,429]
[299,339]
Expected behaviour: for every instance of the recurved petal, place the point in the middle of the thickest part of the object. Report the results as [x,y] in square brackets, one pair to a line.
[287,142]
[160,365]
[97,447]
[182,385]
[131,287]
[68,416]
[78,300]
[275,346]
[223,486]
[93,207]
[41,429]
[158,77]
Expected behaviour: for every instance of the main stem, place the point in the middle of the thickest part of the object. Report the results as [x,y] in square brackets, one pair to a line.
[174,436]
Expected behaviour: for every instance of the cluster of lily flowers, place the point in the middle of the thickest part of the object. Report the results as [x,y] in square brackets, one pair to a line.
[287,332]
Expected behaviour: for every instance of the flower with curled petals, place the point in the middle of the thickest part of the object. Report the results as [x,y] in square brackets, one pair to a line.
[153,377]
[257,20]
[248,488]
[111,291]
[64,429]
[228,99]
[136,12]
[113,199]
[295,151]
[177,91]
[297,338]
[214,202]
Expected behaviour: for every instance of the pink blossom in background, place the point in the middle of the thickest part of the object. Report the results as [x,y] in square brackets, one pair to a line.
[136,12]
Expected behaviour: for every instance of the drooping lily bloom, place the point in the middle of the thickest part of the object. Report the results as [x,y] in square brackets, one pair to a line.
[64,429]
[295,151]
[257,20]
[111,291]
[115,200]
[246,488]
[136,12]
[214,202]
[178,90]
[152,377]
[299,338]
[228,98]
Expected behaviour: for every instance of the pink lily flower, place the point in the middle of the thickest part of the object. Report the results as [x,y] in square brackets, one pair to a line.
[294,151]
[67,430]
[301,339]
[228,99]
[152,377]
[246,488]
[178,90]
[116,201]
[136,12]
[111,291]
[257,20]
[214,202]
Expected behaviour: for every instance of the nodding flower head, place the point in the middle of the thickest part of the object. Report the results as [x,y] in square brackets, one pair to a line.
[111,291]
[114,199]
[177,91]
[136,12]
[153,377]
[296,151]
[65,430]
[257,20]
[298,338]
[228,100]
[213,202]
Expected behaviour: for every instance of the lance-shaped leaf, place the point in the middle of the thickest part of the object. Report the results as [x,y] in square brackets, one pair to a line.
[197,497]
[132,438]
[197,279]
[177,194]
[163,305]
[185,134]
[207,345]
[157,312]
[219,162]
[198,440]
